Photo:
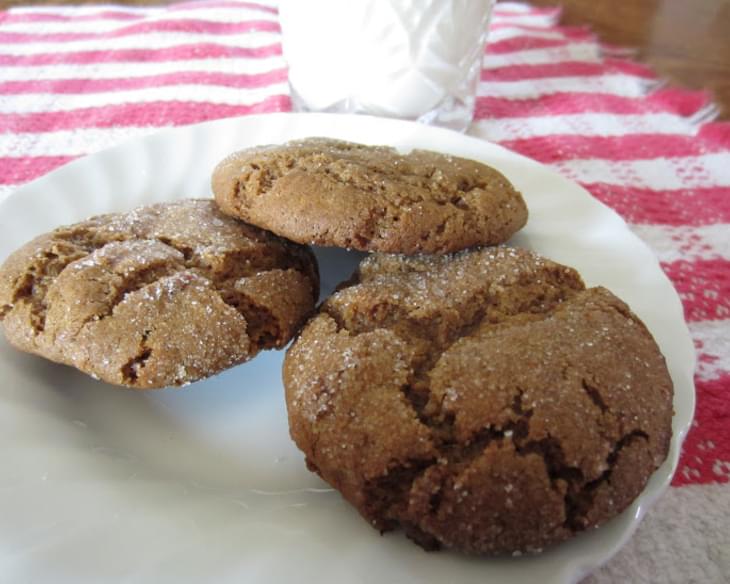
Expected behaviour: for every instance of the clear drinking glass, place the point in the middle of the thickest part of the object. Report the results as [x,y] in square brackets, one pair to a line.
[410,59]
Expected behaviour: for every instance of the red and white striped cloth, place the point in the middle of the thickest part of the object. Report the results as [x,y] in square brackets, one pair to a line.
[74,80]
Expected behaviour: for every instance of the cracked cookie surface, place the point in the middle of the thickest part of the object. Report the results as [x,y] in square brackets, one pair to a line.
[370,198]
[484,401]
[161,296]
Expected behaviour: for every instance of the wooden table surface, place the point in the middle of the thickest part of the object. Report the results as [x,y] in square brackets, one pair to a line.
[686,41]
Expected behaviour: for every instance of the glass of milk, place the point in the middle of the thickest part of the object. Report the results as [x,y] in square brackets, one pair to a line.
[410,59]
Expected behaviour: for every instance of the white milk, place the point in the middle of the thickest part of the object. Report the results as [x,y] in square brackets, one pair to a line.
[414,59]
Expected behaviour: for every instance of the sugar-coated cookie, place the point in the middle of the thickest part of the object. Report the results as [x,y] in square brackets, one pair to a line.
[162,295]
[370,198]
[484,401]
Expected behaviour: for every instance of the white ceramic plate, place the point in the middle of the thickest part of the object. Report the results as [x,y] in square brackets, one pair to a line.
[203,484]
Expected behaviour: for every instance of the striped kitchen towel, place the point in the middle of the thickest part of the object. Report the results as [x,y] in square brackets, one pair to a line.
[74,80]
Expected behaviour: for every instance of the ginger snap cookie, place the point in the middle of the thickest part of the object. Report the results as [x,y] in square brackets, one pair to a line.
[484,401]
[370,198]
[163,295]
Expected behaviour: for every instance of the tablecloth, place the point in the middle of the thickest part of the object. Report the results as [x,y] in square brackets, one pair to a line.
[74,80]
